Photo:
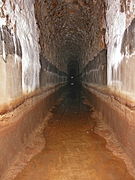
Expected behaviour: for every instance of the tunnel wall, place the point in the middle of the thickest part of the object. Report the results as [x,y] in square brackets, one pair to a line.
[95,72]
[22,68]
[50,75]
[114,98]
[118,113]
[19,19]
[39,38]
[27,79]
[18,129]
[116,35]
[10,65]
[120,40]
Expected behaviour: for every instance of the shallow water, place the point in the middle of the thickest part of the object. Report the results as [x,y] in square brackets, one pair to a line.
[73,150]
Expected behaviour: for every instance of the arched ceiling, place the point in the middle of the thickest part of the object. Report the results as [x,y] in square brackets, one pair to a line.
[70,29]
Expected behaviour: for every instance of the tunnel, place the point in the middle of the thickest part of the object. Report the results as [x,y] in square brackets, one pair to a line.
[73,73]
[67,90]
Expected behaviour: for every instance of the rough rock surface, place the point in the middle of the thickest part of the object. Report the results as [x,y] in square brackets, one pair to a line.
[20,50]
[70,30]
[120,42]
[41,41]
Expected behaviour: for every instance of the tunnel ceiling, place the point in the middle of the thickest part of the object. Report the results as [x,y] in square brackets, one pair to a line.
[70,29]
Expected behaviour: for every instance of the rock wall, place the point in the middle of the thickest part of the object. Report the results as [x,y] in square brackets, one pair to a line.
[18,131]
[60,32]
[19,18]
[120,42]
[70,30]
[115,102]
[20,61]
[49,74]
[57,32]
[95,72]
[10,66]
[117,26]
[117,113]
[39,39]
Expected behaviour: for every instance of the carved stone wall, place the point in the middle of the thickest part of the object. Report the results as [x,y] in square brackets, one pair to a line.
[95,72]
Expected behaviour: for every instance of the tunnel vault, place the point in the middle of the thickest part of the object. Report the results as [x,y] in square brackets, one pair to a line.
[46,43]
[45,36]
[70,29]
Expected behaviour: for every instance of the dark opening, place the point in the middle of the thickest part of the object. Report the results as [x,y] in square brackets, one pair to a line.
[74,79]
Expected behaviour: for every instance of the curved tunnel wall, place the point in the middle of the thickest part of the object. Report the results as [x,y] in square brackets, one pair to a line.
[120,46]
[40,38]
[22,68]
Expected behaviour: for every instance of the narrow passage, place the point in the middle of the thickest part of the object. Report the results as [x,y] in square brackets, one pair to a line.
[73,151]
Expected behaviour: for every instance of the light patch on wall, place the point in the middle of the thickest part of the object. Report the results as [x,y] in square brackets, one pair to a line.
[116,25]
[2,23]
[21,20]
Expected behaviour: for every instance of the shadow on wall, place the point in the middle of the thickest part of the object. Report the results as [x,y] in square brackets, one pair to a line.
[95,72]
[50,74]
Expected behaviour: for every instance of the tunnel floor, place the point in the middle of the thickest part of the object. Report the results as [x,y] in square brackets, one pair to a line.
[73,150]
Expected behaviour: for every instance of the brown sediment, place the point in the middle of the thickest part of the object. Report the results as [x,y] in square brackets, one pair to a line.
[13,104]
[119,118]
[112,143]
[73,150]
[35,145]
[17,126]
[122,98]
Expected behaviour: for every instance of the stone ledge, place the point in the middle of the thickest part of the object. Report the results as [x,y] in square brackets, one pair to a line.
[18,125]
[124,99]
[117,113]
[12,105]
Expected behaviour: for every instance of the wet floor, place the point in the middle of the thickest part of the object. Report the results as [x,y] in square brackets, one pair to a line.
[73,151]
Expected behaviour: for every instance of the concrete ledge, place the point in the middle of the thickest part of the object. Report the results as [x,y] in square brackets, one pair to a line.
[118,113]
[13,104]
[17,126]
